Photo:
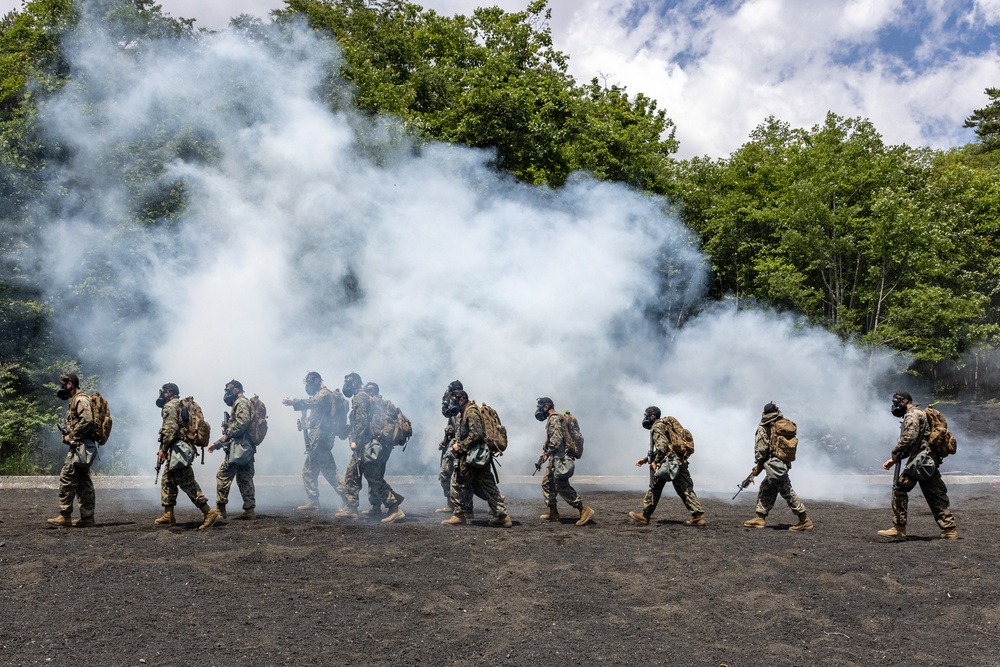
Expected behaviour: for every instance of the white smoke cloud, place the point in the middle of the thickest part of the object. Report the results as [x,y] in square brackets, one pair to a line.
[315,240]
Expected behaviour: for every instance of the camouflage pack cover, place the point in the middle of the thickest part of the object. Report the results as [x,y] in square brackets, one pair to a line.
[681,440]
[258,421]
[783,439]
[942,441]
[195,429]
[391,426]
[496,432]
[574,437]
[102,418]
[340,408]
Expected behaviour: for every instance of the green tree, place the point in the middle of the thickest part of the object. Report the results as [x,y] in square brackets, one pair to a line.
[986,121]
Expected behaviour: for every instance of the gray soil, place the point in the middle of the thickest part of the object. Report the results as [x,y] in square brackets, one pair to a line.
[307,590]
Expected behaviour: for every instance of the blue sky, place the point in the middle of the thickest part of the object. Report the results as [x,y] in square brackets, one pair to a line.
[915,68]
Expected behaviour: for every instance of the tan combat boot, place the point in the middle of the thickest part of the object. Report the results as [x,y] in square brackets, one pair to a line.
[946,534]
[211,516]
[586,514]
[168,517]
[395,515]
[502,521]
[805,523]
[310,506]
[641,518]
[347,513]
[896,533]
[222,510]
[756,522]
[551,515]
[64,520]
[455,520]
[248,515]
[695,520]
[83,522]
[447,509]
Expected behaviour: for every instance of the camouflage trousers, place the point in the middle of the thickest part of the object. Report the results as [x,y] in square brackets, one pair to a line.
[774,484]
[683,486]
[936,494]
[75,482]
[352,482]
[553,488]
[243,474]
[446,471]
[379,491]
[183,479]
[479,481]
[320,461]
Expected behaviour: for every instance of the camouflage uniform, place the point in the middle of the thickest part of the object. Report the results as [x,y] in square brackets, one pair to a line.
[776,480]
[912,439]
[683,484]
[320,433]
[237,432]
[176,478]
[379,491]
[555,451]
[468,480]
[447,470]
[74,478]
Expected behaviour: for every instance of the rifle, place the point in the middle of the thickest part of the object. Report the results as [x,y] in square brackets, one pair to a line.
[218,443]
[538,464]
[895,473]
[650,456]
[747,482]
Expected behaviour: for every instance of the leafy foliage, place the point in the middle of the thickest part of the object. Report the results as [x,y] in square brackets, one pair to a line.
[986,121]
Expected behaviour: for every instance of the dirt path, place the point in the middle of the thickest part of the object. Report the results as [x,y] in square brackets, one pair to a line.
[300,590]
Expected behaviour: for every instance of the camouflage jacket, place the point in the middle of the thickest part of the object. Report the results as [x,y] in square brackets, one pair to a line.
[660,440]
[555,438]
[471,431]
[912,433]
[79,418]
[170,432]
[362,415]
[450,431]
[318,421]
[762,439]
[239,422]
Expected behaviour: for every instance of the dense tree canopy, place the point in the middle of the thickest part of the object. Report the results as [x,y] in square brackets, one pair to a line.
[986,121]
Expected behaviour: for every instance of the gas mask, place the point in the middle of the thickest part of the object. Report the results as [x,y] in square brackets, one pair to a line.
[312,388]
[230,396]
[446,405]
[451,407]
[898,409]
[163,398]
[648,420]
[541,414]
[352,383]
[63,392]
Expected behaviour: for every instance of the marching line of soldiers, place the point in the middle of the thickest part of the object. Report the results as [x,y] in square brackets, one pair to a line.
[468,466]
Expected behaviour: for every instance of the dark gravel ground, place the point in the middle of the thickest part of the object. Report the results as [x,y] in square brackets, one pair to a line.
[307,590]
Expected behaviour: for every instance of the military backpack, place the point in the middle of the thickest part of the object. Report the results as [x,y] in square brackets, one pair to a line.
[258,421]
[681,440]
[784,440]
[340,408]
[195,429]
[102,418]
[496,432]
[574,437]
[942,442]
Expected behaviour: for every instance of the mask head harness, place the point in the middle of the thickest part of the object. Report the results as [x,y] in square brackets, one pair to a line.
[542,409]
[898,406]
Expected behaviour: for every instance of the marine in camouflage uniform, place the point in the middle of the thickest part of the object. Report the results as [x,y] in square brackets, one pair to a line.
[320,430]
[682,482]
[177,476]
[239,450]
[74,478]
[555,451]
[776,480]
[376,456]
[913,433]
[467,479]
[447,470]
